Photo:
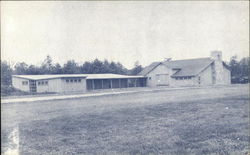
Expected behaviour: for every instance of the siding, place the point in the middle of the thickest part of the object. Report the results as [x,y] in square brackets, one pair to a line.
[55,85]
[73,87]
[186,82]
[161,69]
[42,88]
[17,83]
[60,86]
[205,76]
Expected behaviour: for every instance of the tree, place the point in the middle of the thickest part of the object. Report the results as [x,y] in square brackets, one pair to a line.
[86,68]
[137,68]
[244,66]
[33,70]
[21,68]
[239,69]
[71,67]
[57,69]
[97,66]
[6,73]
[47,66]
[106,66]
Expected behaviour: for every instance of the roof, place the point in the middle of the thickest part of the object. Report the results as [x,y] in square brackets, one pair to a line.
[110,76]
[188,67]
[54,76]
[149,68]
[87,76]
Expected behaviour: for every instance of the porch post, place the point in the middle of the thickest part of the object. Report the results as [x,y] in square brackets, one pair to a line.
[119,83]
[102,83]
[93,84]
[111,84]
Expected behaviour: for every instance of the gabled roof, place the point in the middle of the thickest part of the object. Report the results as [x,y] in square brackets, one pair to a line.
[149,68]
[188,67]
[87,76]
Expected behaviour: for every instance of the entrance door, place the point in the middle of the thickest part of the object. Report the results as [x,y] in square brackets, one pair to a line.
[162,79]
[32,84]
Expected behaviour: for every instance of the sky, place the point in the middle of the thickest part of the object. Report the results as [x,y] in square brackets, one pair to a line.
[122,31]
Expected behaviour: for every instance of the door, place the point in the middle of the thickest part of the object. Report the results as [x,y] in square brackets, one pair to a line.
[162,79]
[32,84]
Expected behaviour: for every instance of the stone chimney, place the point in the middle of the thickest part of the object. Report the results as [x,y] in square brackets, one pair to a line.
[217,67]
[216,55]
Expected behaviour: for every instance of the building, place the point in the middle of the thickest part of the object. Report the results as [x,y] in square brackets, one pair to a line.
[190,72]
[61,83]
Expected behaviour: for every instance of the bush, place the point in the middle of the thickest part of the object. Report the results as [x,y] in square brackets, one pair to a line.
[9,90]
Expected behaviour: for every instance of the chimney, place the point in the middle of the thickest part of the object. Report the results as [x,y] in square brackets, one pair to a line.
[217,67]
[216,55]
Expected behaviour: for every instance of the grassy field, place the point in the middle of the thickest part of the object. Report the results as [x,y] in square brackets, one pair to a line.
[192,121]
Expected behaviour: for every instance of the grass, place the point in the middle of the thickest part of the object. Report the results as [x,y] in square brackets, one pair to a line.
[143,124]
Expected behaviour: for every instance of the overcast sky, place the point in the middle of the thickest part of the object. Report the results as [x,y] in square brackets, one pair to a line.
[127,31]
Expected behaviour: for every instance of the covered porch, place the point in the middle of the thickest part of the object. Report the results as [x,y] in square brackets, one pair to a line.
[93,84]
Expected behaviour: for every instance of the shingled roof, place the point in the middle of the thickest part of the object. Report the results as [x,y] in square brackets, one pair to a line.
[149,68]
[188,67]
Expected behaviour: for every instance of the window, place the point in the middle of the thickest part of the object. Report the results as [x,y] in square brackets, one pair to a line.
[71,80]
[79,80]
[67,81]
[42,83]
[25,82]
[46,82]
[75,80]
[149,78]
[39,83]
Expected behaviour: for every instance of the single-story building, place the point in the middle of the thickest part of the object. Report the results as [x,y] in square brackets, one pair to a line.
[189,72]
[75,82]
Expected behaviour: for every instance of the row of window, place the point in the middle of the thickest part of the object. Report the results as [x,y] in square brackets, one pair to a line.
[183,78]
[42,83]
[25,82]
[178,78]
[73,80]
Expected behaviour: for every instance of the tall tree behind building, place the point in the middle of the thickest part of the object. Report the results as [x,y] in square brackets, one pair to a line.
[240,70]
[137,68]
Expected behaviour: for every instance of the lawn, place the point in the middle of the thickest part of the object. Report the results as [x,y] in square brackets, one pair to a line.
[193,121]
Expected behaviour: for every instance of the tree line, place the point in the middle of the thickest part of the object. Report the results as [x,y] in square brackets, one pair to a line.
[239,69]
[70,67]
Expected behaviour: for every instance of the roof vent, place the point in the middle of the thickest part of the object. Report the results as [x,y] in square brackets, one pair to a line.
[167,59]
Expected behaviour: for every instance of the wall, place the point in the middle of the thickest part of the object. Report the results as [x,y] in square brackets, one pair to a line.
[60,85]
[55,85]
[184,82]
[205,77]
[161,69]
[72,87]
[222,74]
[42,88]
[17,83]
